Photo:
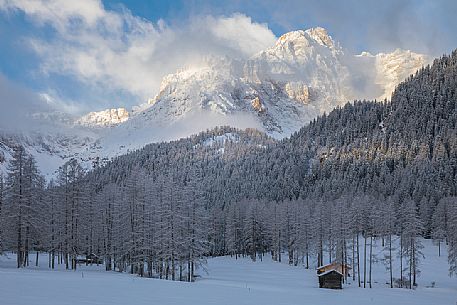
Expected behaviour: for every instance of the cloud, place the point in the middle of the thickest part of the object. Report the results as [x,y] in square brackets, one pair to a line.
[24,112]
[371,25]
[238,32]
[54,102]
[120,52]
[17,104]
[132,136]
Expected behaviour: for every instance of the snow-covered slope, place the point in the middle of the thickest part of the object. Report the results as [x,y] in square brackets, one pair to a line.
[51,148]
[55,137]
[278,90]
[239,280]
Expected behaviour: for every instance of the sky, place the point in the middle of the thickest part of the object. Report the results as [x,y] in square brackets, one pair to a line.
[86,55]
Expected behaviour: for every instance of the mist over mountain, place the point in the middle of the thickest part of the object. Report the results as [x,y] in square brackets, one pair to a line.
[277,91]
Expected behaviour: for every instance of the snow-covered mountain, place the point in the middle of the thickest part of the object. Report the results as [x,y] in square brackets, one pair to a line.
[51,148]
[281,88]
[278,90]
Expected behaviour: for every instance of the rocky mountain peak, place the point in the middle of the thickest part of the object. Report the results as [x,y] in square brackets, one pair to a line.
[104,118]
[306,38]
[321,36]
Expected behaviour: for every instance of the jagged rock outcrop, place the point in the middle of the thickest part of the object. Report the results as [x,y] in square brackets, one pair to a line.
[257,105]
[104,118]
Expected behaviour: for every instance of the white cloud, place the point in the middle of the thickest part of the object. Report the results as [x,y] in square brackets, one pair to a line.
[54,102]
[121,52]
[240,33]
[17,104]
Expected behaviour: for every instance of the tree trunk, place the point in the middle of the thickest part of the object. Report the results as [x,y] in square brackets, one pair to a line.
[410,265]
[188,271]
[371,257]
[330,245]
[353,257]
[414,263]
[401,261]
[365,262]
[307,257]
[320,259]
[358,260]
[26,246]
[67,266]
[172,269]
[345,261]
[19,245]
[390,262]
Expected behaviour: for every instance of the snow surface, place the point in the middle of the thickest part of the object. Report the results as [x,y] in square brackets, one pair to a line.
[227,281]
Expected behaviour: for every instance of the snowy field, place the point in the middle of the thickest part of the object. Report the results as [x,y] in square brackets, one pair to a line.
[228,281]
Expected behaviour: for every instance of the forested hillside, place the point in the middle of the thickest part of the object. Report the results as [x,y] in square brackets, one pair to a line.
[369,170]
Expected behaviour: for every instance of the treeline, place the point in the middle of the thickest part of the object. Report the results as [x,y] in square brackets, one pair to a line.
[317,232]
[147,226]
[366,172]
[162,226]
[22,196]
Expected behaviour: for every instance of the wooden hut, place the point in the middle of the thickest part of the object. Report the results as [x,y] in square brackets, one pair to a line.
[331,279]
[89,259]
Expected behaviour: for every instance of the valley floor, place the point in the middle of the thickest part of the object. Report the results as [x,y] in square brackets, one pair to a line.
[227,281]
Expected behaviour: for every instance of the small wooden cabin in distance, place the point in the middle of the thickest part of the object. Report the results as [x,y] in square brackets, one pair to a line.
[332,275]
[331,279]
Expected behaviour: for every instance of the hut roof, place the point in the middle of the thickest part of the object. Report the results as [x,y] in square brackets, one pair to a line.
[329,271]
[333,264]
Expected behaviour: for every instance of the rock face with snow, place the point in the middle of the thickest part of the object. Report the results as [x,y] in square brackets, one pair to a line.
[304,65]
[297,91]
[105,118]
[283,87]
[393,68]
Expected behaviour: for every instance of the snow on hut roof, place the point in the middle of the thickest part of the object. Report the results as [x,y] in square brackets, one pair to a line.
[335,264]
[329,271]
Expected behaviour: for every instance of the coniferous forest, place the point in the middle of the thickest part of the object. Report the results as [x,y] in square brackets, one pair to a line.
[370,170]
